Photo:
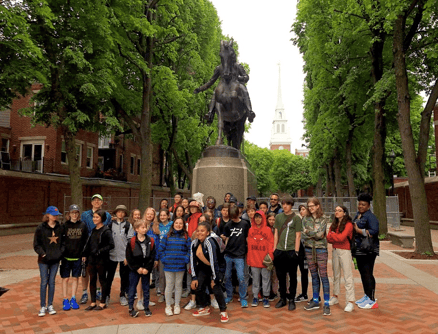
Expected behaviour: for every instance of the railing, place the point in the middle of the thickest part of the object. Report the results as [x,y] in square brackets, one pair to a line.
[39,166]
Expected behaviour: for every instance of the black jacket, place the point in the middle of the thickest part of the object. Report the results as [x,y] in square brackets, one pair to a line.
[48,243]
[99,245]
[135,256]
[75,237]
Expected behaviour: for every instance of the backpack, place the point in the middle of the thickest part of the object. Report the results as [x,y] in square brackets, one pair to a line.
[220,255]
[133,242]
[352,241]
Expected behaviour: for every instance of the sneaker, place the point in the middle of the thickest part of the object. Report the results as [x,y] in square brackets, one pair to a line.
[123,301]
[266,303]
[349,307]
[84,298]
[66,305]
[147,312]
[140,306]
[310,299]
[228,300]
[42,312]
[224,317]
[201,312]
[301,298]
[292,305]
[312,306]
[326,310]
[168,310]
[98,295]
[74,304]
[281,303]
[272,297]
[151,303]
[333,301]
[133,313]
[161,299]
[244,303]
[176,309]
[51,310]
[255,302]
[190,305]
[214,303]
[359,301]
[185,294]
[368,304]
[246,297]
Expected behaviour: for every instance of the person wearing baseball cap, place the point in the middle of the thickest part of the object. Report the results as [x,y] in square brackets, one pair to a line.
[122,232]
[48,244]
[75,238]
[87,218]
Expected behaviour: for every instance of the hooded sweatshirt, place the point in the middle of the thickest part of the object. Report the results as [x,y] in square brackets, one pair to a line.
[48,243]
[192,222]
[260,242]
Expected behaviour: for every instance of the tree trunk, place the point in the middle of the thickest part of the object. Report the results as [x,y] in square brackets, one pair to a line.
[338,174]
[413,166]
[146,131]
[318,189]
[349,165]
[331,179]
[379,194]
[73,169]
[170,178]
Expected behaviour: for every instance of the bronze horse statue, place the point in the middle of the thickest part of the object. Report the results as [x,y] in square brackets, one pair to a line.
[230,100]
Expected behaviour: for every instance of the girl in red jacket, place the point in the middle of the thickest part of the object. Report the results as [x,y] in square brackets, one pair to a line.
[340,234]
[260,243]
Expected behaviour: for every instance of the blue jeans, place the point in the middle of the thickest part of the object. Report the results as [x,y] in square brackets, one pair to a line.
[133,281]
[47,274]
[240,266]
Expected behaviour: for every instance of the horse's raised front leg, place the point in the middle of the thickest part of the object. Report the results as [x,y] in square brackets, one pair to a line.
[220,124]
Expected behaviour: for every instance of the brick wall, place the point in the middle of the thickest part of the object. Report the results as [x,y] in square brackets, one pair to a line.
[276,147]
[25,196]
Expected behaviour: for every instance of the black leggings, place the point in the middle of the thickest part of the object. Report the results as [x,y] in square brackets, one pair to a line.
[94,270]
[365,264]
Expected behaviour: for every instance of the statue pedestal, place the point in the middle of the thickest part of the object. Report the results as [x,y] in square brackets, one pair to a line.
[223,169]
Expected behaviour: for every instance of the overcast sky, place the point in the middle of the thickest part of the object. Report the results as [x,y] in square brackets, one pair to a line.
[262,30]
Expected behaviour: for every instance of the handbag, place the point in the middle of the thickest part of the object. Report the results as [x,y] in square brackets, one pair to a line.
[268,263]
[367,245]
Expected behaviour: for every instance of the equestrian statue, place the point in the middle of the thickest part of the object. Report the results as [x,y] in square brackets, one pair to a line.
[230,100]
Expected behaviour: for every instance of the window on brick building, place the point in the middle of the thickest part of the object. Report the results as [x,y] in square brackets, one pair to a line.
[63,153]
[121,163]
[79,154]
[5,145]
[138,166]
[132,167]
[90,157]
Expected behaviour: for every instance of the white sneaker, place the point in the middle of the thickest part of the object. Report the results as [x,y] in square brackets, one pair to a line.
[190,306]
[42,312]
[168,310]
[333,301]
[349,307]
[176,309]
[51,310]
[161,299]
[140,306]
[214,303]
[151,303]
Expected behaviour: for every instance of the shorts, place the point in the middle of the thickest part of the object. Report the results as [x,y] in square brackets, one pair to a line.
[73,267]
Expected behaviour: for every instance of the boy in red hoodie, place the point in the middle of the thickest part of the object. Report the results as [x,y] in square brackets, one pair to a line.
[260,243]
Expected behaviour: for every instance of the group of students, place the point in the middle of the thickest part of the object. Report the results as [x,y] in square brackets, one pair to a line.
[211,251]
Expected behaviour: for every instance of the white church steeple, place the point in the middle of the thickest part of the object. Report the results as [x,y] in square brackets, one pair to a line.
[280,136]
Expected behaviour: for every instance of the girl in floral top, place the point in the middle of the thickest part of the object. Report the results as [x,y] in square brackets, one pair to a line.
[315,244]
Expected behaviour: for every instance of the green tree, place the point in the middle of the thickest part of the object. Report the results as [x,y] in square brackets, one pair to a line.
[63,46]
[261,161]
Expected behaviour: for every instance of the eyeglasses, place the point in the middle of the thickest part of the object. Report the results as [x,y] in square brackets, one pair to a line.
[210,201]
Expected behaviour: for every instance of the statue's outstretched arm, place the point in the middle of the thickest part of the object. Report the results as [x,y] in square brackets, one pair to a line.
[243,77]
[213,79]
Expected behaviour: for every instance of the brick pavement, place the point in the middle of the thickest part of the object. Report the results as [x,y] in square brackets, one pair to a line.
[404,306]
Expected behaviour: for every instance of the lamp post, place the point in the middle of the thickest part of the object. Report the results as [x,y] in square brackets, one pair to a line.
[391,160]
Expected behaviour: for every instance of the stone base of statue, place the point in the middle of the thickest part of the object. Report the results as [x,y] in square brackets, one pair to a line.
[223,169]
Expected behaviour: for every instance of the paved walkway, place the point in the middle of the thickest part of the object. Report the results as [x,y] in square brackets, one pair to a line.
[407,292]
